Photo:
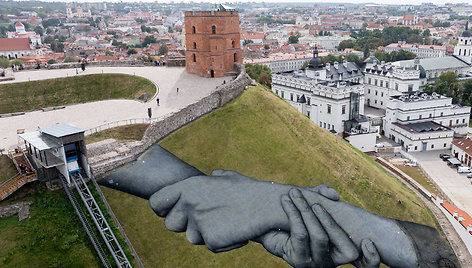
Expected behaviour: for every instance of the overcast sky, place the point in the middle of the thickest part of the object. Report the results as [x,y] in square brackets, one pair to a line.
[386,2]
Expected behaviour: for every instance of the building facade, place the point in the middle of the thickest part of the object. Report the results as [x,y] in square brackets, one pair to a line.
[421,51]
[212,41]
[464,46]
[382,81]
[431,119]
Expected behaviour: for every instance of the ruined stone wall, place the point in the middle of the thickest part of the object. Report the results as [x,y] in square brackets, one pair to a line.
[161,129]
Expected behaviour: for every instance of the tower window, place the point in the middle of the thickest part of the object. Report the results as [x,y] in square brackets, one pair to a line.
[194,45]
[194,58]
[193,29]
[213,29]
[235,57]
[232,44]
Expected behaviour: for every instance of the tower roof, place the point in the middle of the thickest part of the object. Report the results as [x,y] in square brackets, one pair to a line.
[19,24]
[315,62]
[466,34]
[302,99]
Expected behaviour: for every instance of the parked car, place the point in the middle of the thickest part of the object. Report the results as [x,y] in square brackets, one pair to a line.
[379,145]
[412,163]
[444,157]
[469,175]
[462,169]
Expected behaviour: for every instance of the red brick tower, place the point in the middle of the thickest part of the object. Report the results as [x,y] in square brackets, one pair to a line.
[213,41]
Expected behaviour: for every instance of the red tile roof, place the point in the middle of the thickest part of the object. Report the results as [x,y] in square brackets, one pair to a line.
[464,219]
[19,24]
[464,144]
[14,44]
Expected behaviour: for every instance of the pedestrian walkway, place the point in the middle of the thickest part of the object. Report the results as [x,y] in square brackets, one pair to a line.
[89,115]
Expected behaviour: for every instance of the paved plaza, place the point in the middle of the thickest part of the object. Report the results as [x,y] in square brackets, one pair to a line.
[456,186]
[90,115]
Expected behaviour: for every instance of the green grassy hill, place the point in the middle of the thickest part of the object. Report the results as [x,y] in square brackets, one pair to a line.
[30,96]
[263,137]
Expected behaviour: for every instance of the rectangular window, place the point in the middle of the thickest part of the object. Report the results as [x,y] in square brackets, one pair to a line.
[432,146]
[298,97]
[420,116]
[375,81]
[410,87]
[444,145]
[386,84]
[324,124]
[408,118]
[329,108]
[308,114]
[277,92]
[291,96]
[463,121]
[375,101]
[329,126]
[416,148]
[308,101]
[381,83]
[376,93]
[442,113]
[283,95]
[369,90]
[344,109]
[370,81]
[396,86]
[381,103]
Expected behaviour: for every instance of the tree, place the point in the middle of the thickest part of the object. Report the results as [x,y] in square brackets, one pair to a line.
[163,49]
[48,39]
[351,57]
[148,40]
[247,41]
[170,30]
[38,30]
[51,22]
[69,59]
[108,53]
[305,65]
[51,61]
[293,39]
[4,62]
[17,62]
[132,51]
[448,84]
[266,47]
[260,73]
[466,98]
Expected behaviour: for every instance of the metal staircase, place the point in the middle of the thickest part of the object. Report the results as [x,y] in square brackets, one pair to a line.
[15,183]
[100,221]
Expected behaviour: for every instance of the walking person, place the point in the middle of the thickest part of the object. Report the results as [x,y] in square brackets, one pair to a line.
[157,100]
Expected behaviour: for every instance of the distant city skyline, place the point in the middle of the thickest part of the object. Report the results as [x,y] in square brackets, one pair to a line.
[379,2]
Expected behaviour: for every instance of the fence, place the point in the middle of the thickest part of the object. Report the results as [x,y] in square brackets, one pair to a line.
[122,123]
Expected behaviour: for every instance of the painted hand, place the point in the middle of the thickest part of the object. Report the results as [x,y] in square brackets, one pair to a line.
[315,239]
[226,209]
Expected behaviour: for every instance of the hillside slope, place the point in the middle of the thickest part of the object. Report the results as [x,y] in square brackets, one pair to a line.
[263,137]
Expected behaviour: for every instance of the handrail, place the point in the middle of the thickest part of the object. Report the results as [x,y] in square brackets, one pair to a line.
[11,178]
[124,122]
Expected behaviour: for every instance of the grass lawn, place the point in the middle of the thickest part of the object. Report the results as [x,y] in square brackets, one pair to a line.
[263,137]
[53,236]
[419,177]
[30,96]
[123,133]
[7,169]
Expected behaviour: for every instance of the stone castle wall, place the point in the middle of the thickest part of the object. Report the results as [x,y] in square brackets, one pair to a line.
[161,129]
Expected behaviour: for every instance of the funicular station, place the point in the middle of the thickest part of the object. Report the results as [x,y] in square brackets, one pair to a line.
[59,153]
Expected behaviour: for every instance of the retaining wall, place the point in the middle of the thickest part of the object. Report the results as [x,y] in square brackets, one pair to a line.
[160,129]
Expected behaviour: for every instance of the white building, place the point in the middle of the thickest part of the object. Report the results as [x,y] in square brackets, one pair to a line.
[462,150]
[432,68]
[330,43]
[464,47]
[421,51]
[20,32]
[382,81]
[327,102]
[79,14]
[14,48]
[424,121]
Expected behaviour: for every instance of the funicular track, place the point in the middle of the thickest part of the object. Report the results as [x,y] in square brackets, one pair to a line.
[100,221]
[85,223]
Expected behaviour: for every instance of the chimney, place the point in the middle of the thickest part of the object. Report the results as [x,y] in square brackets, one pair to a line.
[328,66]
[336,65]
[345,63]
[417,64]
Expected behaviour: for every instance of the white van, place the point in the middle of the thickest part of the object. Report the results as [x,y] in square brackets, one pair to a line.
[462,169]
